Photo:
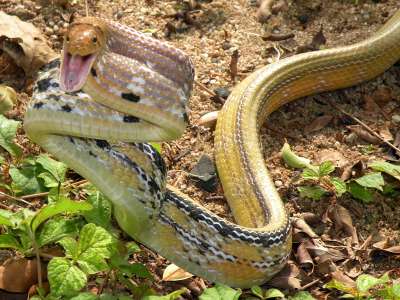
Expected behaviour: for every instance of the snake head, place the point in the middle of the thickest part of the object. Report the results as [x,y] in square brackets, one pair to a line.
[83,42]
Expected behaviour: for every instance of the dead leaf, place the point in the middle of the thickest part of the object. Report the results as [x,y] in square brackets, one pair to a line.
[8,97]
[318,40]
[24,43]
[364,134]
[304,227]
[233,66]
[27,275]
[354,170]
[385,133]
[382,95]
[341,277]
[342,221]
[174,273]
[318,123]
[209,119]
[385,246]
[287,278]
[334,156]
[304,258]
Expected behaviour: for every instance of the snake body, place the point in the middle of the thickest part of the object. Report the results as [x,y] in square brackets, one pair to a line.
[135,89]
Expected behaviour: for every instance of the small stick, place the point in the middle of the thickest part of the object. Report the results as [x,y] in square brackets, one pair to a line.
[366,127]
[210,92]
[87,8]
[15,198]
[309,284]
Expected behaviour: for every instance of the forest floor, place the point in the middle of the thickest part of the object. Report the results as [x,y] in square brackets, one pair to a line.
[210,33]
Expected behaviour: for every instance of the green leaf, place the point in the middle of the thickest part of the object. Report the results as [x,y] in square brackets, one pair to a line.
[340,186]
[388,168]
[84,296]
[1,159]
[365,282]
[64,277]
[70,246]
[256,290]
[26,179]
[64,205]
[135,269]
[5,218]
[372,180]
[311,173]
[313,192]
[302,296]
[9,241]
[172,296]
[93,247]
[341,286]
[156,146]
[55,168]
[8,131]
[102,209]
[132,247]
[326,168]
[273,293]
[359,192]
[293,160]
[220,292]
[55,229]
[48,180]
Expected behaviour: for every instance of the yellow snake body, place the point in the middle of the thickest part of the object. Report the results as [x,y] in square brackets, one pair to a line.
[135,89]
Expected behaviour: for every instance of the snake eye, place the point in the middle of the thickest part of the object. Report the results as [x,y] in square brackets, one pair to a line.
[94,40]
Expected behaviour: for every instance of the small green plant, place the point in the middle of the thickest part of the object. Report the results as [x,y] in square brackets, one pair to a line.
[367,287]
[319,181]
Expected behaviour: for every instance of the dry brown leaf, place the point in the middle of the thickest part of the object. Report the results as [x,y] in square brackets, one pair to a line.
[174,273]
[334,156]
[233,66]
[209,119]
[318,123]
[353,170]
[385,133]
[304,258]
[321,253]
[385,246]
[8,97]
[287,278]
[364,134]
[341,277]
[304,227]
[24,43]
[27,275]
[382,95]
[342,221]
[311,218]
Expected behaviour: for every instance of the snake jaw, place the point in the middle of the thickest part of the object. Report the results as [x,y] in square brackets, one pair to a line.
[74,70]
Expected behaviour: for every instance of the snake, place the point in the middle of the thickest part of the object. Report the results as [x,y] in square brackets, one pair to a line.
[115,90]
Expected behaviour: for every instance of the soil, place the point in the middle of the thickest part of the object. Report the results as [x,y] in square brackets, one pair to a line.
[210,33]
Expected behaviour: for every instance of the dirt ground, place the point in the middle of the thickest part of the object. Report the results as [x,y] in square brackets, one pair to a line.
[210,33]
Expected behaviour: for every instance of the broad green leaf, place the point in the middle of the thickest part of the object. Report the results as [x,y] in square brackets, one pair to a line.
[26,179]
[5,218]
[64,205]
[326,168]
[172,296]
[293,160]
[310,173]
[359,192]
[8,130]
[388,168]
[313,192]
[341,286]
[220,292]
[70,246]
[84,296]
[48,180]
[273,293]
[9,241]
[56,229]
[364,282]
[135,269]
[340,186]
[102,209]
[93,247]
[132,247]
[55,168]
[371,180]
[64,277]
[302,296]
[256,290]
[1,159]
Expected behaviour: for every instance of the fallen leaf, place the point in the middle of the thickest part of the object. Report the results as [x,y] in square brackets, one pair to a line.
[209,119]
[24,43]
[27,274]
[287,278]
[334,156]
[318,123]
[304,227]
[174,273]
[385,246]
[385,133]
[304,258]
[8,97]
[342,220]
[364,134]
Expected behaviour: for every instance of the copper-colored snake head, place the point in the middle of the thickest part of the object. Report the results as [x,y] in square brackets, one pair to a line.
[84,40]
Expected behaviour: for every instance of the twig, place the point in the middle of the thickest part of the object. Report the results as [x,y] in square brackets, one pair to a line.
[46,255]
[87,8]
[15,199]
[306,286]
[104,283]
[210,92]
[37,195]
[366,127]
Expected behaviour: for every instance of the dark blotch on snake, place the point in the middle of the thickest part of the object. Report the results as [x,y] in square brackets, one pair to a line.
[102,144]
[53,64]
[93,72]
[43,84]
[185,117]
[130,97]
[66,108]
[131,119]
[37,105]
[92,154]
[55,85]
[54,97]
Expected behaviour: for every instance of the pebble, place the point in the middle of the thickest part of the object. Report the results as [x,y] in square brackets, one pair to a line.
[278,183]
[49,30]
[396,119]
[56,28]
[204,174]
[51,23]
[54,37]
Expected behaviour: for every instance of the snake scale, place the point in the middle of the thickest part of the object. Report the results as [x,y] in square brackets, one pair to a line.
[117,88]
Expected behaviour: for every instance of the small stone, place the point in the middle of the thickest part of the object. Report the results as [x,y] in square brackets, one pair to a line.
[54,37]
[278,183]
[56,28]
[51,23]
[204,174]
[303,19]
[396,119]
[65,25]
[222,92]
[49,30]
[226,45]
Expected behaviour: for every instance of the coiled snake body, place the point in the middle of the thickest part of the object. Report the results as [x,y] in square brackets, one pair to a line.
[118,88]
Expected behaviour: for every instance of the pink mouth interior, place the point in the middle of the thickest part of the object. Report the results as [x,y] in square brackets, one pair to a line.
[74,71]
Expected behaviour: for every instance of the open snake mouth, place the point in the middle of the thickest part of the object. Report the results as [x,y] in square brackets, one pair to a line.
[74,71]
